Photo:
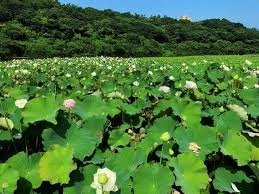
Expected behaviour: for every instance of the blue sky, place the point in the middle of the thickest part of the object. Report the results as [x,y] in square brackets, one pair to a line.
[243,11]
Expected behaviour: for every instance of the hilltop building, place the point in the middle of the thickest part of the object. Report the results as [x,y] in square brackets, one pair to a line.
[184,17]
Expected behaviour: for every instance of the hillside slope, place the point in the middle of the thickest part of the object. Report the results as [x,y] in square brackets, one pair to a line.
[46,28]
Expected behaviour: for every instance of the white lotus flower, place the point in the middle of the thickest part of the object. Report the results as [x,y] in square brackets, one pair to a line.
[150,73]
[136,83]
[104,181]
[256,85]
[190,85]
[164,89]
[171,78]
[21,103]
[68,75]
[239,110]
[248,62]
[225,68]
[25,71]
[178,93]
[93,74]
[115,95]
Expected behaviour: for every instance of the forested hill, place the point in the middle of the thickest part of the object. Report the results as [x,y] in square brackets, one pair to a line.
[46,28]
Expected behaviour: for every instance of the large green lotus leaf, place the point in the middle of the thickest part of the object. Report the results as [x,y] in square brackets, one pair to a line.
[253,110]
[153,179]
[237,146]
[127,187]
[8,106]
[17,92]
[255,153]
[130,109]
[8,179]
[135,107]
[51,137]
[81,180]
[125,163]
[83,139]
[56,165]
[42,108]
[16,117]
[99,157]
[203,136]
[94,106]
[5,135]
[160,126]
[220,98]
[205,86]
[163,105]
[190,112]
[27,166]
[215,75]
[250,96]
[191,173]
[113,107]
[250,81]
[119,137]
[224,178]
[228,121]
[108,87]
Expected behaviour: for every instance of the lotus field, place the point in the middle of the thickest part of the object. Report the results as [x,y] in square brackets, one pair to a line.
[130,126]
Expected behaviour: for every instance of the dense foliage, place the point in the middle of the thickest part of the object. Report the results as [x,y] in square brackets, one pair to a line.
[46,28]
[190,126]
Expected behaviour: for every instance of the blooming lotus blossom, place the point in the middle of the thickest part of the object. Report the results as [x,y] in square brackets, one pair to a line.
[178,93]
[115,95]
[256,85]
[150,73]
[225,68]
[248,62]
[69,103]
[171,78]
[93,74]
[239,110]
[136,83]
[164,89]
[104,181]
[21,103]
[68,75]
[190,85]
[25,71]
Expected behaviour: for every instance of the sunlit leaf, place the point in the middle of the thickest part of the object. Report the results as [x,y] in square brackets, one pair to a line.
[153,179]
[56,165]
[191,173]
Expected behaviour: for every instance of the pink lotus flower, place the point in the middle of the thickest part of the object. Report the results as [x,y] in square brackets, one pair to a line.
[69,103]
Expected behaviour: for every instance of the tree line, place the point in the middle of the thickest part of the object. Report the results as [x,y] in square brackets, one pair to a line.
[47,28]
